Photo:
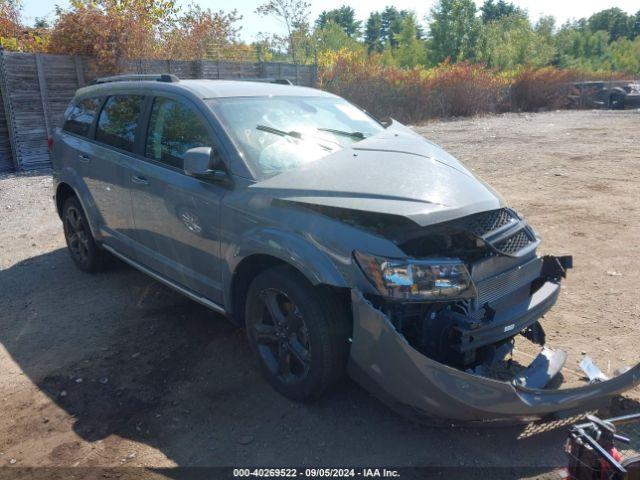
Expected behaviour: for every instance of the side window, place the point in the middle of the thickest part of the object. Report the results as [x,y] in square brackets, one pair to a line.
[174,128]
[118,121]
[80,116]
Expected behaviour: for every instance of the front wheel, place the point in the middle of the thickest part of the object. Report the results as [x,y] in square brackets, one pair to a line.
[616,101]
[298,333]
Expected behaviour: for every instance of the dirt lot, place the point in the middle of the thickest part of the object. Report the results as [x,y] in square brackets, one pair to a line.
[114,369]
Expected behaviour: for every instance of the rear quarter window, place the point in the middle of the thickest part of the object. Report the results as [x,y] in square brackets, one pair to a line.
[80,116]
[118,121]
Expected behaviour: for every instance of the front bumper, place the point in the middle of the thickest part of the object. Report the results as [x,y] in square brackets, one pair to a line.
[383,362]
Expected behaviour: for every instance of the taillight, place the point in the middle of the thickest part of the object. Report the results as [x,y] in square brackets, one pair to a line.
[50,143]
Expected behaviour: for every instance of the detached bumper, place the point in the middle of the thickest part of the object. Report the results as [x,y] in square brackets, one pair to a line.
[632,101]
[383,362]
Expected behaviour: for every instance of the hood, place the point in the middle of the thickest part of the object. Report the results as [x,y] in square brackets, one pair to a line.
[396,172]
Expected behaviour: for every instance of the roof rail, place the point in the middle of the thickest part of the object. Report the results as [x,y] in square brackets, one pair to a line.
[164,77]
[279,81]
[282,81]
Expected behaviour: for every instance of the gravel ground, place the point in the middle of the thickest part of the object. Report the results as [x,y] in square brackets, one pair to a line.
[115,370]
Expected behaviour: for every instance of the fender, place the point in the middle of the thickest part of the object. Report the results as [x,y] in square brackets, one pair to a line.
[91,212]
[316,265]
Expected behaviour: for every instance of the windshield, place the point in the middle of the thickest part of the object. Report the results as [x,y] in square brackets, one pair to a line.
[275,134]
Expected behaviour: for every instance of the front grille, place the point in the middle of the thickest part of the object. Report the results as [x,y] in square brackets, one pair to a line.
[502,230]
[515,243]
[487,222]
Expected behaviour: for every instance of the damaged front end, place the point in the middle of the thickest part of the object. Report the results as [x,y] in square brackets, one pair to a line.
[435,338]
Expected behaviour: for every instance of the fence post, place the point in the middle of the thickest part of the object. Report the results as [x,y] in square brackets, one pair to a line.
[314,75]
[77,60]
[8,110]
[44,94]
[197,69]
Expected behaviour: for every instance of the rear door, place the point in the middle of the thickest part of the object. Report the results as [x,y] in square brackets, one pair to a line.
[116,131]
[177,217]
[101,154]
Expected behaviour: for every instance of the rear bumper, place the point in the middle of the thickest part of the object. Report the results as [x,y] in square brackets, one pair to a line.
[386,364]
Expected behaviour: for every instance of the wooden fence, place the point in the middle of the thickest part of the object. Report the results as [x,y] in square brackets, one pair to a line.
[36,89]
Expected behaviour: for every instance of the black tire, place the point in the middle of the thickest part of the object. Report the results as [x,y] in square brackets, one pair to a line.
[304,353]
[84,250]
[616,101]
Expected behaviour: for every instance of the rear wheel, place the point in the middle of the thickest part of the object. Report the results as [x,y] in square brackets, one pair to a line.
[298,333]
[83,248]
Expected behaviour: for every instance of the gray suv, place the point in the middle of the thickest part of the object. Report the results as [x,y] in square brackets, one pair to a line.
[342,244]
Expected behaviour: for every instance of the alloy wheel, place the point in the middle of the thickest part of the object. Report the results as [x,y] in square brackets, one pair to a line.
[282,337]
[76,233]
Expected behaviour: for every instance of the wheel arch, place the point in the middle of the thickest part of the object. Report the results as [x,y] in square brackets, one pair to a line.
[64,190]
[311,264]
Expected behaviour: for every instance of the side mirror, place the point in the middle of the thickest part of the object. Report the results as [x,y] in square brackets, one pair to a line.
[200,162]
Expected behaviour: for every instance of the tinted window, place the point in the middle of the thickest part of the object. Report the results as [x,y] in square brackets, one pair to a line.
[174,128]
[80,116]
[118,121]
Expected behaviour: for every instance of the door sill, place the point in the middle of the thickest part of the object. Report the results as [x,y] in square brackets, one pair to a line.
[156,276]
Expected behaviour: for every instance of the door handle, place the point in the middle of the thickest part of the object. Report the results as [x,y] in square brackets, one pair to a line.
[84,158]
[138,180]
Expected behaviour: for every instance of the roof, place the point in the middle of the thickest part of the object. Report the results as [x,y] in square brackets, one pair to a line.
[207,88]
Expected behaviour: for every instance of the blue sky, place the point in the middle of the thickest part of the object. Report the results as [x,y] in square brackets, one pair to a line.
[252,24]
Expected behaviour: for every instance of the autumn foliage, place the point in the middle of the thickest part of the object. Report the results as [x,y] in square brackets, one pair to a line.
[114,30]
[461,89]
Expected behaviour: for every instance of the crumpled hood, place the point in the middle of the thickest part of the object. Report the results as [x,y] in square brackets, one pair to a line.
[395,172]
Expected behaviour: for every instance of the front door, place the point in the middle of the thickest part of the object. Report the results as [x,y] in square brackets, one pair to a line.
[177,217]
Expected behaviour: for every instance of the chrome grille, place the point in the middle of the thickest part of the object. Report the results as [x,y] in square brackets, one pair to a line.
[502,284]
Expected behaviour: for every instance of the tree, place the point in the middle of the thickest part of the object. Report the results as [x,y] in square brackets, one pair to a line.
[333,37]
[613,21]
[344,17]
[10,24]
[511,41]
[16,36]
[294,15]
[495,10]
[625,55]
[545,26]
[635,31]
[577,47]
[205,34]
[112,29]
[453,31]
[410,51]
[373,33]
[41,23]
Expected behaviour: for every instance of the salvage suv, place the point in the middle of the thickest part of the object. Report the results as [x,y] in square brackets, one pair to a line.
[341,243]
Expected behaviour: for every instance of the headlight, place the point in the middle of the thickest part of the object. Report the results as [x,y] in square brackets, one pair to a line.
[435,280]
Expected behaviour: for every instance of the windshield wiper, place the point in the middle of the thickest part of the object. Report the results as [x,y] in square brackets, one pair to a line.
[277,131]
[358,135]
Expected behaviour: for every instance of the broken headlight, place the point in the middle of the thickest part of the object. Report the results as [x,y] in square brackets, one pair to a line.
[407,279]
